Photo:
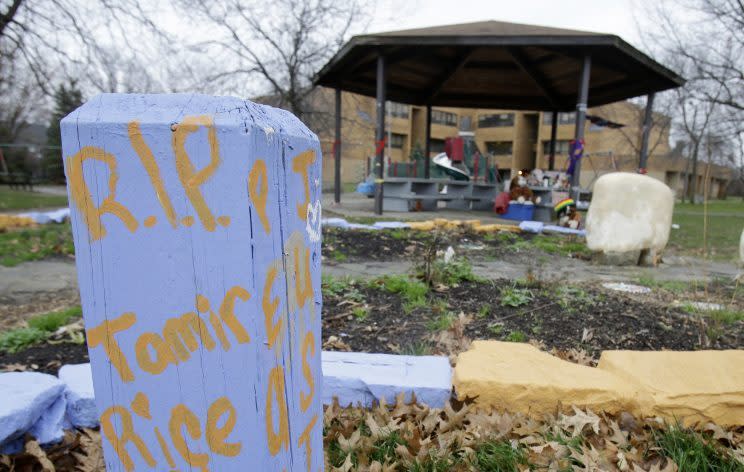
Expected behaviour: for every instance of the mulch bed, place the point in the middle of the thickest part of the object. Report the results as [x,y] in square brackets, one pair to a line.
[557,317]
[589,318]
[341,245]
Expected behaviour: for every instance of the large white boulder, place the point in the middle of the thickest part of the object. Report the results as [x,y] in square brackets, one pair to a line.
[629,212]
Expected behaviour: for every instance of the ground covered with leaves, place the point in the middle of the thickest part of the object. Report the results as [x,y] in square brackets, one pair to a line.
[413,437]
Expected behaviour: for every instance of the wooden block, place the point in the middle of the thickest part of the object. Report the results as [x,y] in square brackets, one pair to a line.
[197,232]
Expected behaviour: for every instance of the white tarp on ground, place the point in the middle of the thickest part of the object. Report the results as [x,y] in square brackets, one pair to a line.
[51,216]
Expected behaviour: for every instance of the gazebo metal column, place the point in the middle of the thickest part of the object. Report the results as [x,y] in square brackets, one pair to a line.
[646,131]
[581,118]
[337,151]
[380,134]
[553,133]
[427,147]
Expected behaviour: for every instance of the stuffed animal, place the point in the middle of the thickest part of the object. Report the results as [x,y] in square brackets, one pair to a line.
[567,214]
[519,191]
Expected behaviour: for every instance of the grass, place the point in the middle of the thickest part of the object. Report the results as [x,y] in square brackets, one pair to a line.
[13,200]
[559,245]
[516,337]
[515,297]
[692,452]
[674,286]
[19,339]
[432,463]
[399,234]
[571,297]
[725,222]
[496,329]
[360,313]
[498,456]
[333,286]
[35,244]
[726,316]
[412,291]
[40,327]
[383,450]
[51,322]
[419,348]
[442,322]
[454,272]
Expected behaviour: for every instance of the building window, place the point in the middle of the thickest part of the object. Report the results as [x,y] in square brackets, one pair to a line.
[398,110]
[561,147]
[397,141]
[563,118]
[499,148]
[443,118]
[436,145]
[496,120]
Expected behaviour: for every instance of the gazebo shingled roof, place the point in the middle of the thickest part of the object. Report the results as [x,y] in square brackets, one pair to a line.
[494,64]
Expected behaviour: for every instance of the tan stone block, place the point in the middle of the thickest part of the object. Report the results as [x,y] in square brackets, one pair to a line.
[518,377]
[697,386]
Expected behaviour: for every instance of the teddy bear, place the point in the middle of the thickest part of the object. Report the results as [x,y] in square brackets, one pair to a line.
[519,190]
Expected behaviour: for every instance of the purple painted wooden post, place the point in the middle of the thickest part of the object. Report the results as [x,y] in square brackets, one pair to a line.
[197,232]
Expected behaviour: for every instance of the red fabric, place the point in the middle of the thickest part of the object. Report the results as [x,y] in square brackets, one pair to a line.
[501,204]
[453,147]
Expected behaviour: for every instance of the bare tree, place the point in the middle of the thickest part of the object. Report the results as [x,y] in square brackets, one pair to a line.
[280,44]
[53,38]
[632,116]
[701,40]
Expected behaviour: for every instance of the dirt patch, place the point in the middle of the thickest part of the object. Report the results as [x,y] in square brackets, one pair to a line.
[567,317]
[46,358]
[14,313]
[365,317]
[341,245]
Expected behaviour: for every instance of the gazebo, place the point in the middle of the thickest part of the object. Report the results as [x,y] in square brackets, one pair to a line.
[492,64]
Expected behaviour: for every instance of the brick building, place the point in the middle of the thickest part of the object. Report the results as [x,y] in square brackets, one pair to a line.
[515,139]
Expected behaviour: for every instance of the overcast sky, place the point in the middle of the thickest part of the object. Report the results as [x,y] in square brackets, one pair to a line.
[604,16]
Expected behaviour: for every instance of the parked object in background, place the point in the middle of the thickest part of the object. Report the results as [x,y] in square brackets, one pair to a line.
[629,213]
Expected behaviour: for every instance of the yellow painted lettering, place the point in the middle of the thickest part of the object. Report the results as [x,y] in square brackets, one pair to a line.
[180,332]
[216,436]
[307,344]
[305,439]
[128,435]
[148,162]
[163,354]
[203,305]
[303,279]
[276,390]
[191,180]
[182,416]
[227,313]
[83,199]
[270,307]
[301,165]
[257,178]
[103,334]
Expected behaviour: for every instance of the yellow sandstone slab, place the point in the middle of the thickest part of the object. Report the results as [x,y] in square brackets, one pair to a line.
[698,386]
[520,378]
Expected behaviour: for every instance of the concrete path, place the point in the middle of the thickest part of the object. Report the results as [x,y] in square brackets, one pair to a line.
[20,283]
[674,268]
